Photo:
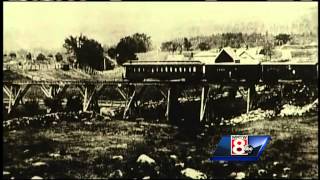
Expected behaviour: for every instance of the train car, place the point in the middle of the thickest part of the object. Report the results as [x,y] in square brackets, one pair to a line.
[275,71]
[163,70]
[232,72]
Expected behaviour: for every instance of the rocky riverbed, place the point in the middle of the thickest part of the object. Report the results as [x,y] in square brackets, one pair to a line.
[87,145]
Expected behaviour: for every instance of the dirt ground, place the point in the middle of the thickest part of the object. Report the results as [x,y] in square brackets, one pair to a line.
[109,149]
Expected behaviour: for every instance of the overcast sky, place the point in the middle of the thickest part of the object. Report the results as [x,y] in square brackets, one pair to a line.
[46,24]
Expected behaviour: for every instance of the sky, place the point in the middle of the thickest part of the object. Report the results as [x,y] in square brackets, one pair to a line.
[45,25]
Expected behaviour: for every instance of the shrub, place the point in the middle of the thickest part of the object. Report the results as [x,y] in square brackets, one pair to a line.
[74,103]
[55,104]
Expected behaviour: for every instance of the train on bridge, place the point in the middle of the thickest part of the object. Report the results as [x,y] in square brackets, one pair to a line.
[224,68]
[267,72]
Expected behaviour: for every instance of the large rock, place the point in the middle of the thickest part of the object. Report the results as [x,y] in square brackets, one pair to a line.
[120,158]
[36,177]
[104,111]
[193,174]
[116,174]
[144,159]
[174,157]
[240,175]
[262,172]
[38,164]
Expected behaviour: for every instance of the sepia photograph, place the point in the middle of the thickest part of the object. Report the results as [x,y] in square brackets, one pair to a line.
[158,90]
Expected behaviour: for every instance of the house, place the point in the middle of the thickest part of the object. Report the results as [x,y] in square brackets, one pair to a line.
[246,57]
[227,55]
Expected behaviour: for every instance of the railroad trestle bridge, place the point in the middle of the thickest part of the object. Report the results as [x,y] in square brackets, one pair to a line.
[131,92]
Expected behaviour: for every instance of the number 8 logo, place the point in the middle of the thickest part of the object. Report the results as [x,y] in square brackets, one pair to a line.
[238,147]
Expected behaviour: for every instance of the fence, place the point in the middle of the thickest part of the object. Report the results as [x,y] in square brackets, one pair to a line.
[32,67]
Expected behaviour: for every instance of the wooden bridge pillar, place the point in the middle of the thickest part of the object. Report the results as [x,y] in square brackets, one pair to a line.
[90,94]
[172,112]
[15,94]
[250,97]
[135,93]
[48,91]
[205,90]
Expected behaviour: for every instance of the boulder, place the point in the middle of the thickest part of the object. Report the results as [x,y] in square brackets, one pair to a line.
[180,165]
[54,155]
[144,159]
[116,174]
[37,164]
[286,169]
[174,157]
[36,177]
[240,175]
[193,174]
[262,172]
[104,111]
[120,158]
[6,173]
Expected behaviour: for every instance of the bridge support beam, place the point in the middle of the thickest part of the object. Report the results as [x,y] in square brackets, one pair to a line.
[48,91]
[88,93]
[172,112]
[58,90]
[135,93]
[168,103]
[15,94]
[250,97]
[205,90]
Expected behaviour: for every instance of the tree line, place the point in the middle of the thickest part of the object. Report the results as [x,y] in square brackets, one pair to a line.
[84,51]
[217,41]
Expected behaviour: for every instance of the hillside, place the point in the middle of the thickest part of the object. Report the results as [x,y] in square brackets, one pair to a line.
[18,73]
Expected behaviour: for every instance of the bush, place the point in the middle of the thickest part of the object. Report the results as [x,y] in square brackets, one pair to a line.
[29,56]
[55,104]
[59,57]
[41,57]
[31,107]
[74,103]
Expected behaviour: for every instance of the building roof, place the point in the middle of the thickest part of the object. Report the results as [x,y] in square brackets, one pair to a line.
[245,54]
[205,56]
[226,55]
[176,57]
[190,62]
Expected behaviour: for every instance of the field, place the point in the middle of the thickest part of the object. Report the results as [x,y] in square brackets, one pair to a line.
[98,148]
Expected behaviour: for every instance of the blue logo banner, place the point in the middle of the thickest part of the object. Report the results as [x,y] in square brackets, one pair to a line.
[240,148]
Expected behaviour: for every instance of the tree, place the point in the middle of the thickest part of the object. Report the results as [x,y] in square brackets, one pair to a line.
[282,38]
[74,103]
[166,46]
[41,57]
[186,44]
[143,42]
[112,52]
[126,50]
[58,57]
[88,52]
[203,46]
[267,50]
[29,56]
[13,55]
[129,45]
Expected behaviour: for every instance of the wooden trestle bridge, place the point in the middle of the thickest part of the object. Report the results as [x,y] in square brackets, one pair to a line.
[131,92]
